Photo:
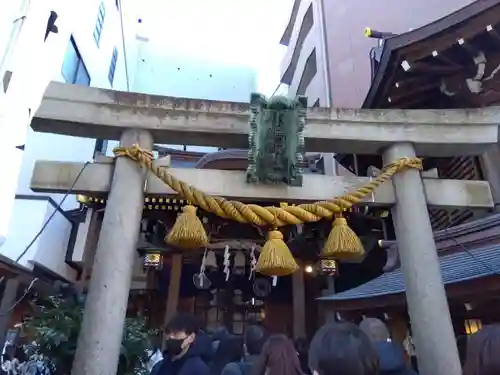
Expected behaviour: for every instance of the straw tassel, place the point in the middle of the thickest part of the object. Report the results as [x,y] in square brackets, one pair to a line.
[342,243]
[275,258]
[188,231]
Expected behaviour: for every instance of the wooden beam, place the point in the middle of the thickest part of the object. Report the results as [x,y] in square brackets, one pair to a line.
[86,245]
[410,103]
[426,68]
[493,33]
[471,50]
[173,288]
[446,60]
[97,113]
[469,30]
[299,303]
[405,94]
[58,177]
[413,81]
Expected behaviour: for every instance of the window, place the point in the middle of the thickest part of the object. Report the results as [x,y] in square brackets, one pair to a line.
[310,70]
[112,66]
[101,145]
[73,69]
[99,24]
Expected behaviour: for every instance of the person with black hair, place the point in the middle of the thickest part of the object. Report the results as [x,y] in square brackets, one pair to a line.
[342,349]
[391,356]
[182,355]
[219,334]
[204,344]
[253,339]
[230,349]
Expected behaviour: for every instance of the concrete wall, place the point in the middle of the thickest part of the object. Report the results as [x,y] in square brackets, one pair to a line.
[303,63]
[348,48]
[341,74]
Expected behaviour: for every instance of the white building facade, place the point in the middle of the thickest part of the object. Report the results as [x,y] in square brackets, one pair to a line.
[99,43]
[87,49]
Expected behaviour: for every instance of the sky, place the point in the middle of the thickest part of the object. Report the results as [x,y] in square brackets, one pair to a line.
[234,32]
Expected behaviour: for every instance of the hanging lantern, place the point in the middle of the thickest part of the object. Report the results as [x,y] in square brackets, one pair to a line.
[153,259]
[328,267]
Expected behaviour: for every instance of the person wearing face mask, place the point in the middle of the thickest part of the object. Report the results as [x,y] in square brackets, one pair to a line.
[183,354]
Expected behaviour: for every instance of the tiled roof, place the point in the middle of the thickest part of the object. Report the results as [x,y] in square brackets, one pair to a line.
[455,268]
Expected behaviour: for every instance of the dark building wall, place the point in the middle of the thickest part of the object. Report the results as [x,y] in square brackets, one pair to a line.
[348,49]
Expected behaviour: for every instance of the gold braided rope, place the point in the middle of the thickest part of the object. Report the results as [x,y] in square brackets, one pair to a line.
[270,215]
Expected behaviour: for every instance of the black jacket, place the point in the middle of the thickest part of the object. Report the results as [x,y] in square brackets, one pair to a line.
[392,360]
[244,367]
[190,363]
[204,346]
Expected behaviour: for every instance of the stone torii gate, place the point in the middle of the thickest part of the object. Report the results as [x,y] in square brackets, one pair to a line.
[144,119]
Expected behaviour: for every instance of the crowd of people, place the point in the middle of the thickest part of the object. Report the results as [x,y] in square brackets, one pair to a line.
[339,348]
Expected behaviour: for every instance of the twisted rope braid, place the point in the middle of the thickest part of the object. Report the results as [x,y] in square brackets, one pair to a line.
[270,215]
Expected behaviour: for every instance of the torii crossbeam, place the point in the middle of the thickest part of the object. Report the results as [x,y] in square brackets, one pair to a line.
[59,177]
[97,113]
[143,119]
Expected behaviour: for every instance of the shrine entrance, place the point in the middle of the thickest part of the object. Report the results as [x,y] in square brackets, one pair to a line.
[243,198]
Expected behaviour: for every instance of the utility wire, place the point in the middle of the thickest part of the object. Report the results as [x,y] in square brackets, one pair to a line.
[42,229]
[6,312]
[477,259]
[471,255]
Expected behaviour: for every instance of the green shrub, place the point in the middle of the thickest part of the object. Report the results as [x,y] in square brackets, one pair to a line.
[55,326]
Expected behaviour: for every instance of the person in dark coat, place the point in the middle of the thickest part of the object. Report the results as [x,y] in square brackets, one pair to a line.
[219,334]
[204,344]
[392,359]
[230,349]
[391,356]
[342,349]
[183,354]
[483,348]
[253,340]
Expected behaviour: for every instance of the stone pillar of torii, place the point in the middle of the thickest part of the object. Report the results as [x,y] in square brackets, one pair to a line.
[143,119]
